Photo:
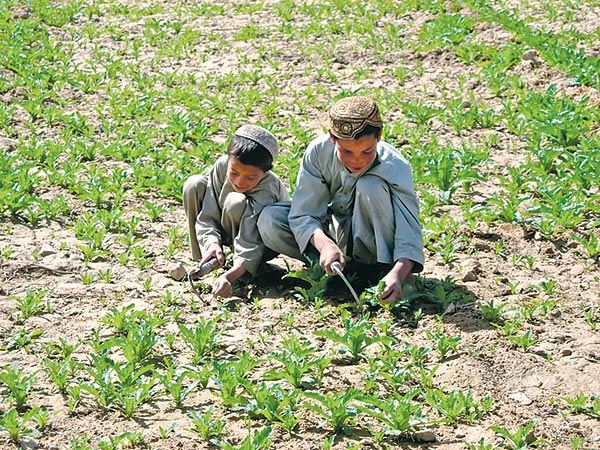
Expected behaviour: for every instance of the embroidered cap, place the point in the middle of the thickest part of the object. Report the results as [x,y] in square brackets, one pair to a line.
[260,136]
[350,115]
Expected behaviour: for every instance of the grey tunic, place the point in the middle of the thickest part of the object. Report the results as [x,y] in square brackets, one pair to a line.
[388,216]
[224,216]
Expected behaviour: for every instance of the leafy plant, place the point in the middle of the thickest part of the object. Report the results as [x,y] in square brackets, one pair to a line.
[336,408]
[317,279]
[457,406]
[18,384]
[444,344]
[203,339]
[583,404]
[520,439]
[259,440]
[32,303]
[356,337]
[206,424]
[17,426]
[300,367]
[399,414]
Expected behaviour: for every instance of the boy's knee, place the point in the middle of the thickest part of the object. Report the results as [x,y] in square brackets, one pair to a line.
[235,204]
[273,220]
[193,186]
[372,188]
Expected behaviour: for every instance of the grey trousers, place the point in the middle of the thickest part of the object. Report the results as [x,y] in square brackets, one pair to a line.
[230,217]
[367,236]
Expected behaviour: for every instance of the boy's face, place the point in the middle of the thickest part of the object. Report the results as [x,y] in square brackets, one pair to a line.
[243,177]
[356,154]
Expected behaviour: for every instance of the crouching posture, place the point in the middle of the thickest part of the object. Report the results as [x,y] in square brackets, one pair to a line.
[354,200]
[223,205]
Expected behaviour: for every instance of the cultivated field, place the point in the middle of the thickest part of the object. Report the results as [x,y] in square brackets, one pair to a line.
[107,106]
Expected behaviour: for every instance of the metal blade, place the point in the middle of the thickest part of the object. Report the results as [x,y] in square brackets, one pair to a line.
[335,266]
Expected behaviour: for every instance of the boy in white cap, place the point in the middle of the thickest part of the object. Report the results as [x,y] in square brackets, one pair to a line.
[354,200]
[223,205]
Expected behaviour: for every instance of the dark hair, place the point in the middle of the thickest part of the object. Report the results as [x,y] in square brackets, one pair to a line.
[250,153]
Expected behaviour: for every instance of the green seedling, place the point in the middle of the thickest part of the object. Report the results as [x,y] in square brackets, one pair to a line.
[18,384]
[73,397]
[335,408]
[525,340]
[16,426]
[23,338]
[300,366]
[32,303]
[273,403]
[444,344]
[456,406]
[317,279]
[203,339]
[137,345]
[591,245]
[356,337]
[87,278]
[591,314]
[399,414]
[492,312]
[481,445]
[59,372]
[173,382]
[130,397]
[258,440]
[582,404]
[228,377]
[207,425]
[520,439]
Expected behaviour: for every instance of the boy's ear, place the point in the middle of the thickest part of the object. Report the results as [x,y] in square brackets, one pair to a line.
[332,138]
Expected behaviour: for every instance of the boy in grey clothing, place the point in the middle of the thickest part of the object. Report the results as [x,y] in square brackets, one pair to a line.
[354,200]
[223,205]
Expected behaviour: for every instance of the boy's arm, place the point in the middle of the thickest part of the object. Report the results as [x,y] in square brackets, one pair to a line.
[222,286]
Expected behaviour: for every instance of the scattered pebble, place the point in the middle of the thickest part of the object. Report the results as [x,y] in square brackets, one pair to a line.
[46,250]
[531,55]
[566,352]
[178,272]
[470,270]
[520,397]
[425,436]
[136,293]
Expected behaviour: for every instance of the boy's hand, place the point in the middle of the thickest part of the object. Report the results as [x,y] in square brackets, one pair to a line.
[222,287]
[214,251]
[329,254]
[392,291]
[393,281]
[328,251]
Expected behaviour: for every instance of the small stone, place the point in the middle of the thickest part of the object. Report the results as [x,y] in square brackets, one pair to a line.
[46,250]
[450,309]
[178,272]
[460,435]
[163,284]
[520,397]
[530,55]
[566,352]
[470,269]
[424,436]
[136,293]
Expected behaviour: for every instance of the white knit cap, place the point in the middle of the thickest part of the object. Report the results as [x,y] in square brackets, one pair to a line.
[260,136]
